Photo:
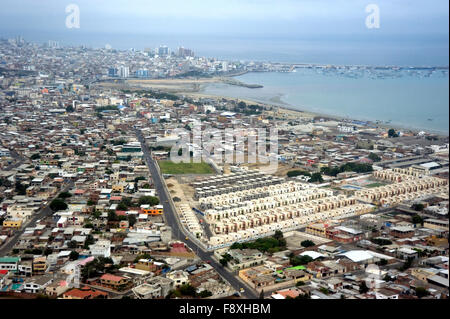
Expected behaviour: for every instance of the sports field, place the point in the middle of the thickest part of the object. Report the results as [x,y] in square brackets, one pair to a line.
[169,167]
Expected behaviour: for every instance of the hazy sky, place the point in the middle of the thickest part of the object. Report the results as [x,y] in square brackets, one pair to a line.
[246,17]
[413,32]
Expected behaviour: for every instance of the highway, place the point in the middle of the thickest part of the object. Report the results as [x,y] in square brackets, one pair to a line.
[178,233]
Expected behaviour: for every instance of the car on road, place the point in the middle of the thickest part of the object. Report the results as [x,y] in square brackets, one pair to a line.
[187,238]
[208,261]
[241,290]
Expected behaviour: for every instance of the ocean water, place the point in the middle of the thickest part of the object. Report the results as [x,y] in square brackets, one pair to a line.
[409,101]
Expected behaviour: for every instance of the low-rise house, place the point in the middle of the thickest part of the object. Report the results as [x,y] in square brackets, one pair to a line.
[114,282]
[37,284]
[245,258]
[84,293]
[9,263]
[179,277]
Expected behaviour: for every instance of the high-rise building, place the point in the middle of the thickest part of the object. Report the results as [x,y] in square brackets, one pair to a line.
[124,71]
[183,52]
[142,73]
[163,50]
[112,72]
[53,44]
[224,66]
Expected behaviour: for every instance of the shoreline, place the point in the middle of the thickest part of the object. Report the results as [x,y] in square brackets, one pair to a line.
[372,122]
[290,108]
[195,87]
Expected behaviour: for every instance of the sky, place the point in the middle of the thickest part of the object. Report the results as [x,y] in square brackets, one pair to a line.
[249,17]
[424,22]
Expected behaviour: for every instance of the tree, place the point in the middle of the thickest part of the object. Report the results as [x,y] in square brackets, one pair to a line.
[297,173]
[205,293]
[307,243]
[392,133]
[223,262]
[132,220]
[324,290]
[388,278]
[382,262]
[374,157]
[122,206]
[261,294]
[407,264]
[300,260]
[112,216]
[278,235]
[72,244]
[89,241]
[96,214]
[188,290]
[149,200]
[74,255]
[64,195]
[418,207]
[316,177]
[417,219]
[20,188]
[58,204]
[35,156]
[381,241]
[363,287]
[421,292]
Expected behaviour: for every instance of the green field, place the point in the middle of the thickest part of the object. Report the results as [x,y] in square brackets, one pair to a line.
[375,185]
[169,167]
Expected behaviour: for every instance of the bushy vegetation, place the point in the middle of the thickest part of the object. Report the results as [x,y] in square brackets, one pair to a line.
[269,244]
[347,167]
[97,267]
[300,260]
[314,177]
[307,243]
[417,219]
[381,241]
[374,157]
[149,200]
[58,204]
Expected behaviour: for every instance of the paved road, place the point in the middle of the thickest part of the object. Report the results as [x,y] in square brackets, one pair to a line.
[178,233]
[44,212]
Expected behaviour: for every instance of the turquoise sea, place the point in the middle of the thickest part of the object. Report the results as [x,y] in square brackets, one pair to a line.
[407,100]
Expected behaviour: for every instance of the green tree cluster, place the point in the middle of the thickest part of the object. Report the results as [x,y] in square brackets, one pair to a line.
[347,167]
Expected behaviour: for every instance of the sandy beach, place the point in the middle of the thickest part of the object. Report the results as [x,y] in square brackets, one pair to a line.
[192,87]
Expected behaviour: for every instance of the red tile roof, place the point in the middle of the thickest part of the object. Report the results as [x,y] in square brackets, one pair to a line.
[288,293]
[85,292]
[111,277]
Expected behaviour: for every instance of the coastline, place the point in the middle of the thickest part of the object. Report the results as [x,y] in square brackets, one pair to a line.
[194,87]
[283,106]
[277,101]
